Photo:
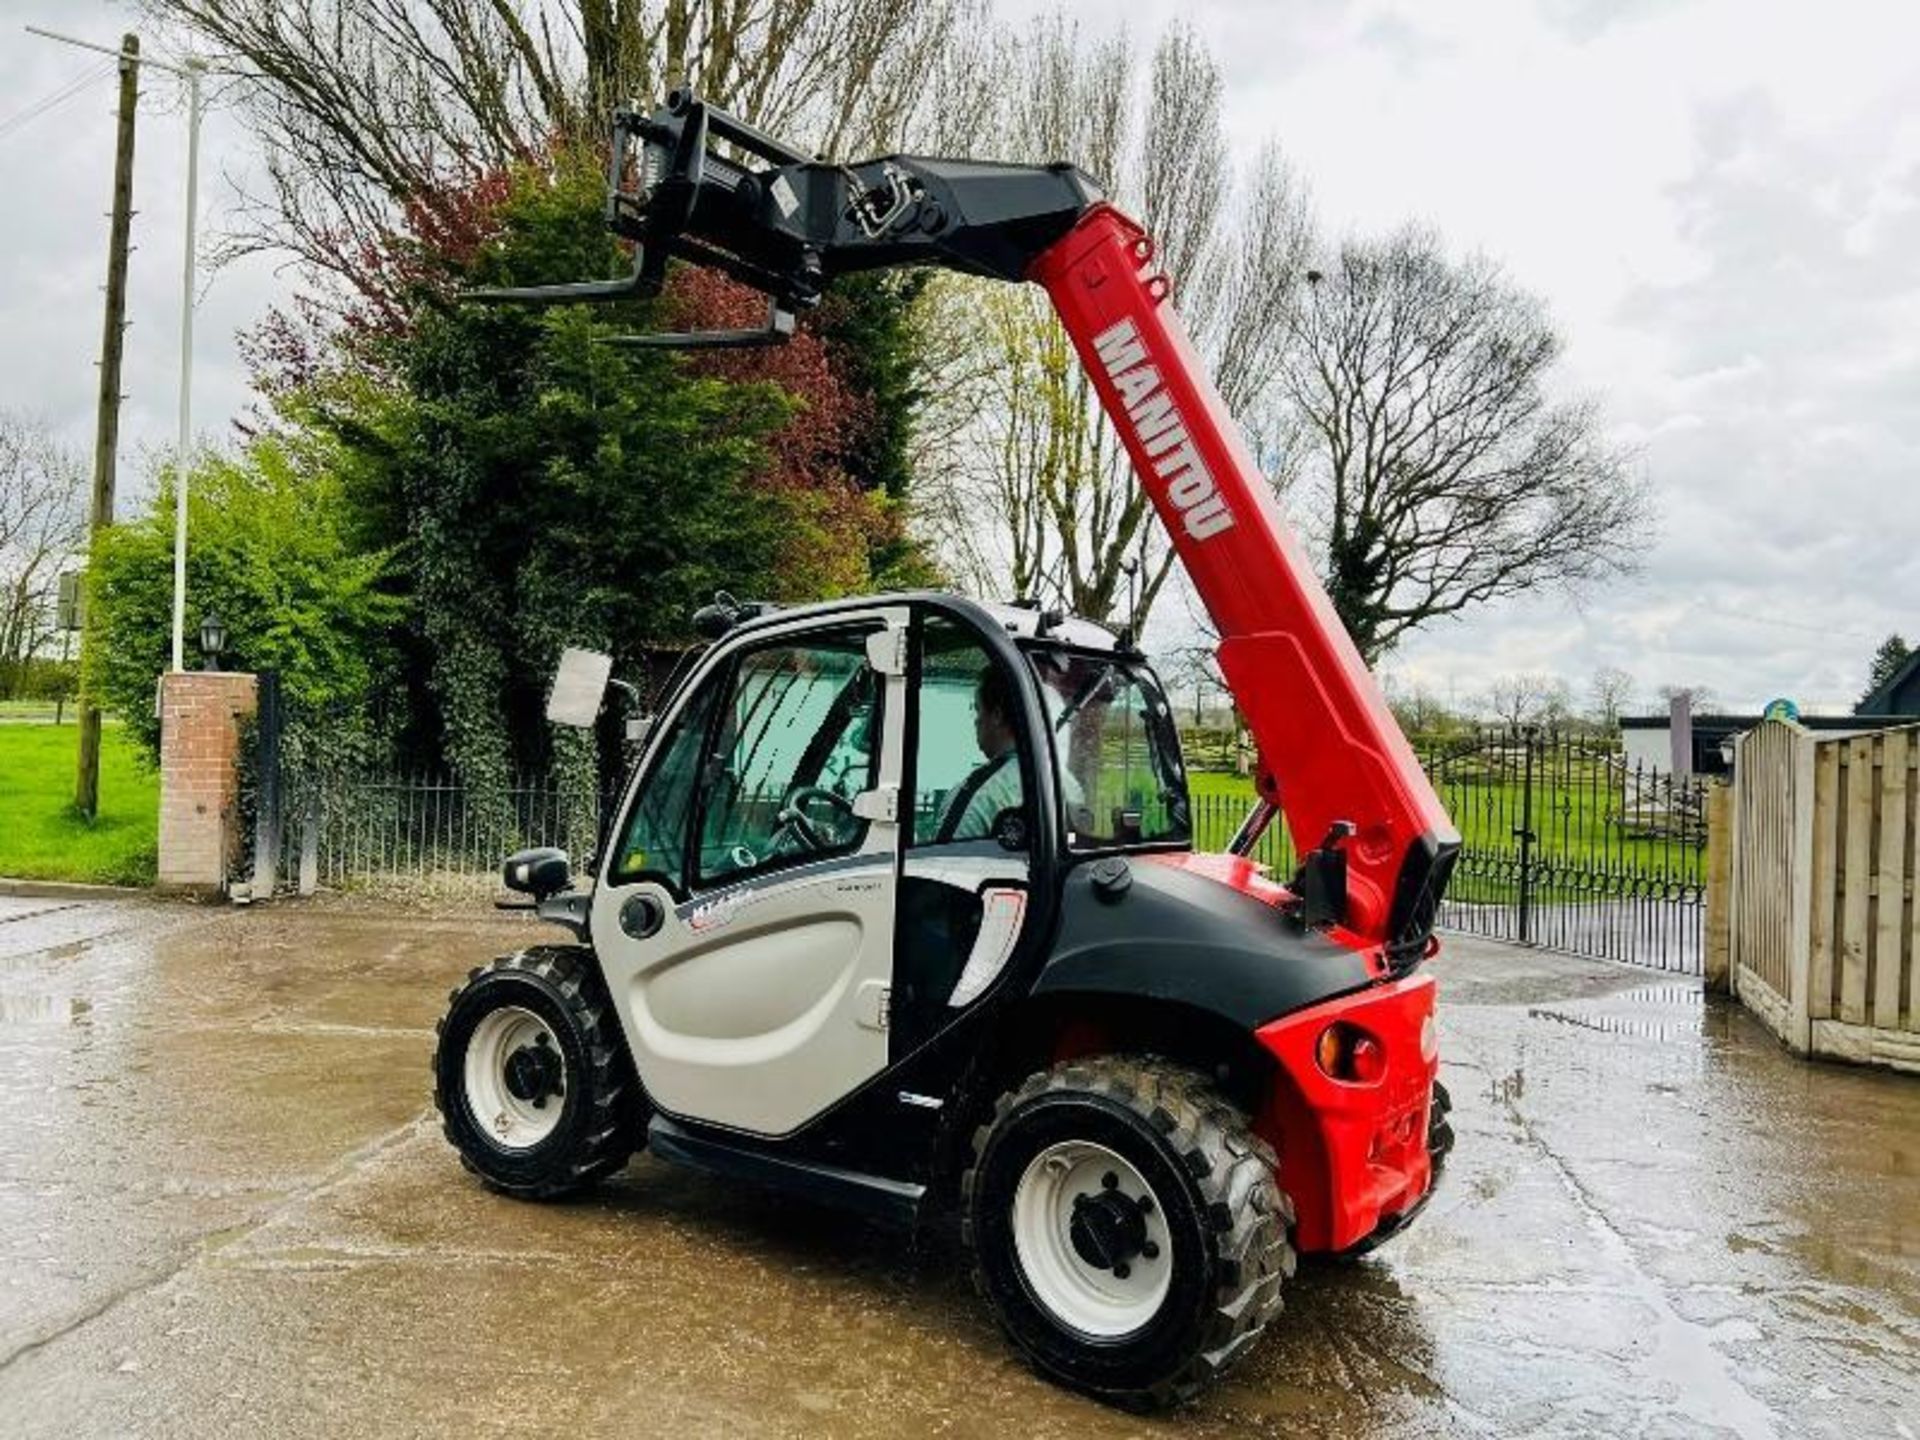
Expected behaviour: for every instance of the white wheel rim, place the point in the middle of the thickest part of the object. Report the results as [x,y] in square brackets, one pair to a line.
[1093,1300]
[506,1119]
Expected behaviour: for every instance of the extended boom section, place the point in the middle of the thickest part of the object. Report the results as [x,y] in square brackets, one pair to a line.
[1331,756]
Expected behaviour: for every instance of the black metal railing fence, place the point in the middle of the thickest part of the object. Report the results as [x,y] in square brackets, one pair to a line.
[1566,843]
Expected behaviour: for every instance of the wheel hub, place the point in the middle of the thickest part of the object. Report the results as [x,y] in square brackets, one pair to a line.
[1108,1230]
[533,1072]
[512,1069]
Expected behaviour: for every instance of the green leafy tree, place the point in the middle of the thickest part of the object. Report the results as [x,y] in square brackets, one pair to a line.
[541,488]
[274,555]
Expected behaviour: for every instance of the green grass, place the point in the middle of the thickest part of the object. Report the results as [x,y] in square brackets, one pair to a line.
[41,838]
[1577,826]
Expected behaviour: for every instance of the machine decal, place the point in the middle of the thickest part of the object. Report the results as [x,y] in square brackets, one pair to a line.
[720,911]
[722,908]
[1161,432]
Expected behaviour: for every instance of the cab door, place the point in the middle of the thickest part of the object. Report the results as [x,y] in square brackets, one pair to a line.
[745,917]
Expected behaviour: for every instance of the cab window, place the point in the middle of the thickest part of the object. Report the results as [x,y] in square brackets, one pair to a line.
[1121,778]
[967,763]
[798,738]
[653,842]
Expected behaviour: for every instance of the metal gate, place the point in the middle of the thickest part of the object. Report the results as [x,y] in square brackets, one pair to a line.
[372,824]
[1565,844]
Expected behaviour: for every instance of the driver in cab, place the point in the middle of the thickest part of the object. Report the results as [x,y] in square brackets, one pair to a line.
[995,784]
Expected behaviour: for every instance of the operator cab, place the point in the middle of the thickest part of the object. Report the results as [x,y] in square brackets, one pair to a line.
[851,825]
[1103,726]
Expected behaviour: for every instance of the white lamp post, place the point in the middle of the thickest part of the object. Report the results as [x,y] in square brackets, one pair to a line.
[191,70]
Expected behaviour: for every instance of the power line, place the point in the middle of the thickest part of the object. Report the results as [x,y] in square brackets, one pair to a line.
[1824,630]
[66,92]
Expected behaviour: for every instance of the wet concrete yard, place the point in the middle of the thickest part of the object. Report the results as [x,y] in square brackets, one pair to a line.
[225,1209]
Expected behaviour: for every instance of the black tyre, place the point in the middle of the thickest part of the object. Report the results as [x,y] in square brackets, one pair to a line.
[1439,1129]
[1127,1227]
[531,1078]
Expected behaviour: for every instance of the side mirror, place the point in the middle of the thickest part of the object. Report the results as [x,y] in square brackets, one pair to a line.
[579,686]
[539,872]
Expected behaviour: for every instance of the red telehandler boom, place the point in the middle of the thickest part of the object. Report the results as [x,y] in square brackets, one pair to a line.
[1332,760]
[900,908]
[1378,843]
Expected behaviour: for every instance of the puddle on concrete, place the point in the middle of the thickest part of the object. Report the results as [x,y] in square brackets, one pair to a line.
[1619,1025]
[234,1103]
[37,912]
[1691,995]
[45,1010]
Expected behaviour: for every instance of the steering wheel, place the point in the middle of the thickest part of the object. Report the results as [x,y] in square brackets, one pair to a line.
[793,814]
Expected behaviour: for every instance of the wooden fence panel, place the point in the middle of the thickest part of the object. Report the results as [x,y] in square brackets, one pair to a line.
[1889,882]
[1763,797]
[1823,992]
[1824,915]
[1856,844]
[1912,885]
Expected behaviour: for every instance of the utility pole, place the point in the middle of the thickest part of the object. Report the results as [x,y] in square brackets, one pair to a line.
[191,70]
[86,780]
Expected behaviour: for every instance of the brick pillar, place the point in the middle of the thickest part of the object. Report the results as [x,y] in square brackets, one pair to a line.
[200,715]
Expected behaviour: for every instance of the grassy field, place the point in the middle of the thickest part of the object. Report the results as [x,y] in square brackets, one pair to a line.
[40,836]
[1576,824]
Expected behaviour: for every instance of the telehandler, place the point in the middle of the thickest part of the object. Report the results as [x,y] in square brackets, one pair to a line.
[900,909]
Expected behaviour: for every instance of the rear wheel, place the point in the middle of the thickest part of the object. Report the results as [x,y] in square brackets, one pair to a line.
[1439,1129]
[1126,1227]
[533,1086]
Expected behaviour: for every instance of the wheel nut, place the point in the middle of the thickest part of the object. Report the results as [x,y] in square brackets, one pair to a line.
[1110,1180]
[1150,1251]
[1145,1202]
[1122,1270]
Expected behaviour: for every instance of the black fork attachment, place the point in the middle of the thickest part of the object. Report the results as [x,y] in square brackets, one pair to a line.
[787,224]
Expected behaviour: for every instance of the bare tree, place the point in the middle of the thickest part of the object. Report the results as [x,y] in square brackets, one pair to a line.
[42,526]
[1032,491]
[1701,698]
[1446,474]
[363,106]
[1526,699]
[1418,710]
[1195,670]
[1608,694]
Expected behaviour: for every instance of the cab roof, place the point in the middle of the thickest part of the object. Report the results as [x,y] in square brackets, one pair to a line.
[1022,621]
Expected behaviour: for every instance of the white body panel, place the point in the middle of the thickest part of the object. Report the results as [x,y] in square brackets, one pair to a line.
[759,1005]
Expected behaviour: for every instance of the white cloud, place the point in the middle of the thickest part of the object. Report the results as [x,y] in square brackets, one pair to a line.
[56,174]
[1719,200]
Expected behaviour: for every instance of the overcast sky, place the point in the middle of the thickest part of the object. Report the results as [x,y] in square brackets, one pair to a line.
[1718,199]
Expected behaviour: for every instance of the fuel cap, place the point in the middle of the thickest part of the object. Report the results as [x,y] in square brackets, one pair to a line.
[1112,877]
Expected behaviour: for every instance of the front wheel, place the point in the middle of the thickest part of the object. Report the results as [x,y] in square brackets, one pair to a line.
[533,1085]
[1127,1228]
